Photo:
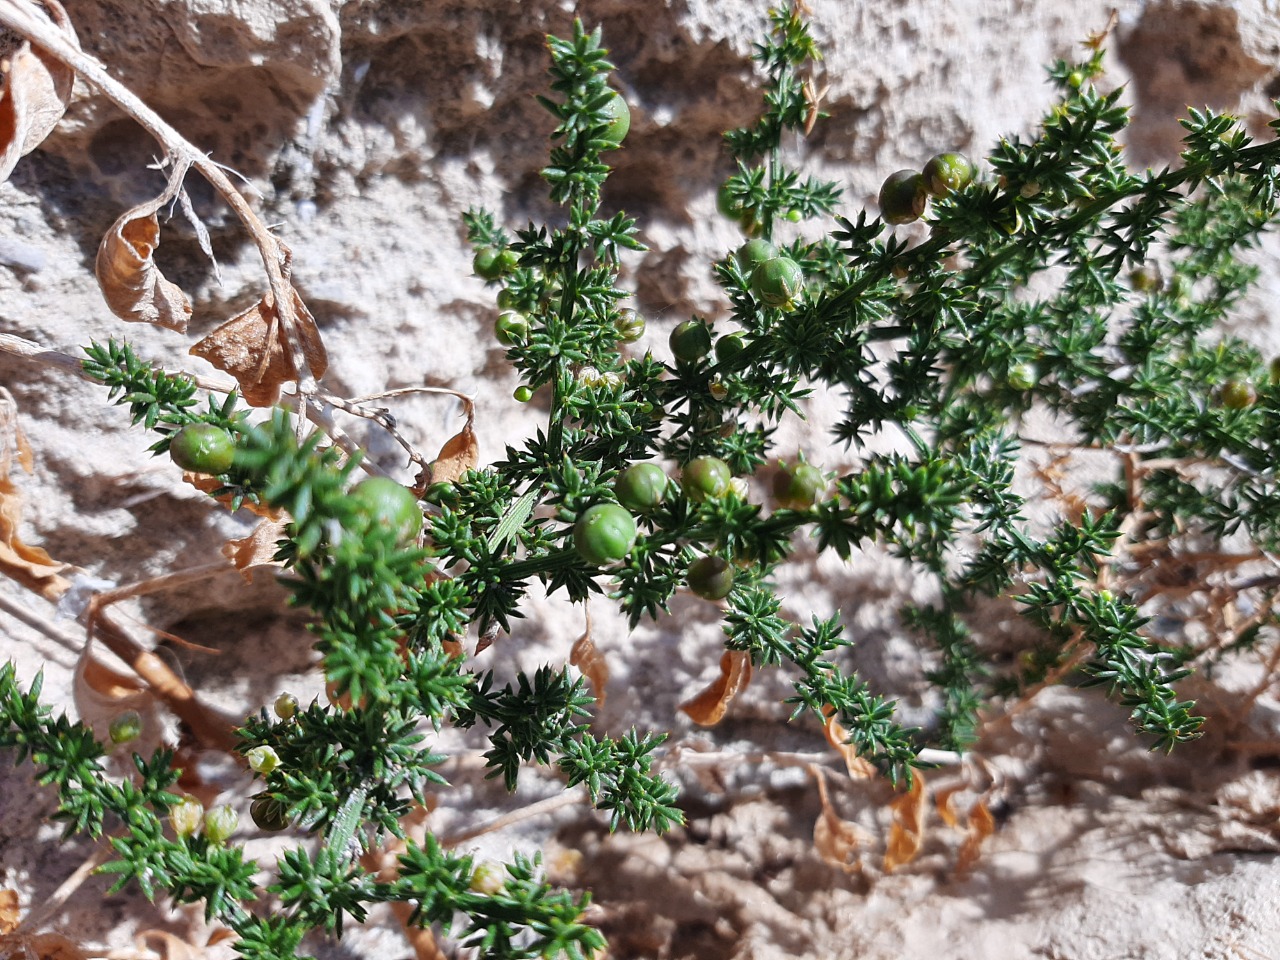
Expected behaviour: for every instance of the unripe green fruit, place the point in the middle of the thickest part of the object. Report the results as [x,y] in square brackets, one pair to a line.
[705,478]
[286,706]
[903,197]
[269,813]
[389,504]
[511,328]
[946,173]
[489,264]
[729,346]
[629,325]
[523,393]
[125,727]
[727,203]
[1238,394]
[711,577]
[604,534]
[777,282]
[799,487]
[203,448]
[691,341]
[619,120]
[641,487]
[755,252]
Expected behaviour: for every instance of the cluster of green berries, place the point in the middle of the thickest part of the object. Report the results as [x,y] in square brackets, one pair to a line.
[605,533]
[905,194]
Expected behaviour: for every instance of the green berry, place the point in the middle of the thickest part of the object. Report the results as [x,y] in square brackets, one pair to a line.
[705,478]
[641,487]
[1238,394]
[220,823]
[203,448]
[629,326]
[691,341]
[604,534]
[727,203]
[777,282]
[799,487]
[488,264]
[507,299]
[729,346]
[755,252]
[511,328]
[903,197]
[946,173]
[711,577]
[269,813]
[125,727]
[387,503]
[523,393]
[794,215]
[186,815]
[286,706]
[619,115]
[1146,279]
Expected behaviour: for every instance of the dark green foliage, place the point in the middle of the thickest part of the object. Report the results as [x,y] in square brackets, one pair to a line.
[1061,281]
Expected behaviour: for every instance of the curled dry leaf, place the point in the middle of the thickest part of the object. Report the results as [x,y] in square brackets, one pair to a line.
[132,284]
[836,840]
[858,767]
[258,549]
[588,658]
[30,566]
[250,346]
[708,707]
[40,946]
[906,833]
[460,454]
[34,90]
[980,826]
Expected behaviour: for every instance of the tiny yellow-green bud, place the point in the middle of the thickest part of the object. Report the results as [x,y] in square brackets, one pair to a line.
[186,816]
[220,823]
[262,759]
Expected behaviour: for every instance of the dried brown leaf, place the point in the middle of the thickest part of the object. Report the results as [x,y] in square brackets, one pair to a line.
[460,454]
[708,707]
[587,657]
[207,484]
[257,549]
[30,566]
[132,284]
[10,911]
[836,840]
[40,946]
[981,825]
[858,767]
[906,833]
[34,91]
[946,809]
[250,347]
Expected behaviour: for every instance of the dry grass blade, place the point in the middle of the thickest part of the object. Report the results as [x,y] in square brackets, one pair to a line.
[709,707]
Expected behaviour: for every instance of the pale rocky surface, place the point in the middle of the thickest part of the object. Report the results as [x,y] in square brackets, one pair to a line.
[367,127]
